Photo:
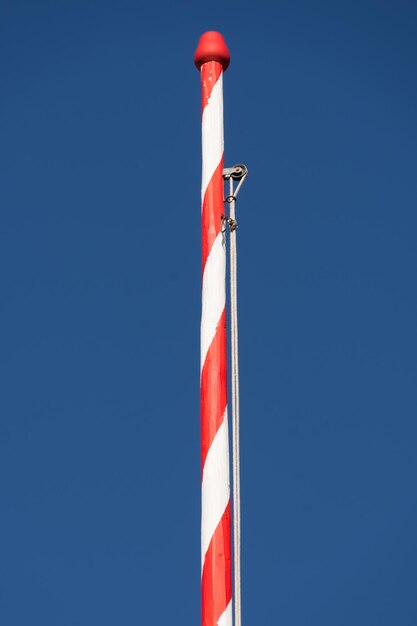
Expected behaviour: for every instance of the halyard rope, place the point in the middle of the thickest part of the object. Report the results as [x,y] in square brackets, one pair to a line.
[235,407]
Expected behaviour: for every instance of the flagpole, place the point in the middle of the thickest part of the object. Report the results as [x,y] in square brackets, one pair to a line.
[212,59]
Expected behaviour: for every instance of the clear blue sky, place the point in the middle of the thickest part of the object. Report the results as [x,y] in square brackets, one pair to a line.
[100,310]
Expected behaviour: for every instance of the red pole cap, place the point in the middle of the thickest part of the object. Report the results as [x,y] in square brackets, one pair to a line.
[212,47]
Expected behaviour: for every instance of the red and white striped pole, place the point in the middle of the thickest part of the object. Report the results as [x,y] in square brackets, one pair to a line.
[211,58]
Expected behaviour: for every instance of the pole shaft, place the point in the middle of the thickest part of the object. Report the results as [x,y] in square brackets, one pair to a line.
[215,523]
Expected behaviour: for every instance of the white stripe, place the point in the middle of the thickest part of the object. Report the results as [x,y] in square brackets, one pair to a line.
[215,487]
[212,134]
[226,617]
[214,294]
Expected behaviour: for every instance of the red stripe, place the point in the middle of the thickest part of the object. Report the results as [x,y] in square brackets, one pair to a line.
[212,211]
[216,583]
[210,73]
[216,578]
[213,398]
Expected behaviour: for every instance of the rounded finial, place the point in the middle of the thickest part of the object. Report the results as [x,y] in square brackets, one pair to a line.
[212,47]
